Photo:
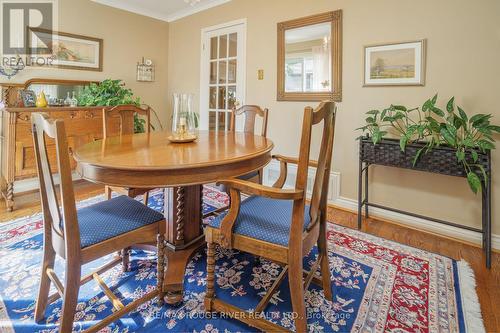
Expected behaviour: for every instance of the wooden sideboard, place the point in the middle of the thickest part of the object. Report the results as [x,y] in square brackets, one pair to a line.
[83,124]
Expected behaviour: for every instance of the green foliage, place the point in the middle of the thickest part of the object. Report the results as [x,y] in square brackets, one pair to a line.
[139,124]
[433,126]
[107,93]
[111,93]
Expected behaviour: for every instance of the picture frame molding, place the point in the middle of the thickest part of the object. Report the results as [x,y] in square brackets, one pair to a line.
[423,65]
[100,42]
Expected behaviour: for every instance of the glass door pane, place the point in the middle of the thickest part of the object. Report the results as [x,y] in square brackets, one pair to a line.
[222,71]
[222,79]
[233,45]
[213,48]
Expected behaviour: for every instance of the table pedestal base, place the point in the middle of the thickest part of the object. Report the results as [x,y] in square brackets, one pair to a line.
[177,261]
[183,212]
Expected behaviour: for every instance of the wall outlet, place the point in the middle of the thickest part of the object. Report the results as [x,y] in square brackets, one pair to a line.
[260,74]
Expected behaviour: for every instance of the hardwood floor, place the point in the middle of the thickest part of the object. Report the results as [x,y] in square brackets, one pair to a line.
[29,203]
[488,281]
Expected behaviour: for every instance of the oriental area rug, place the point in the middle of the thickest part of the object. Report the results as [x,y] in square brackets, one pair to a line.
[378,286]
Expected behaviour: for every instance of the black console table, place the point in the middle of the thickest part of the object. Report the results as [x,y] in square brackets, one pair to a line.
[441,160]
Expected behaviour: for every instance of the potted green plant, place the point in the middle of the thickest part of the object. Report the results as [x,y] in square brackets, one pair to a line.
[111,93]
[431,139]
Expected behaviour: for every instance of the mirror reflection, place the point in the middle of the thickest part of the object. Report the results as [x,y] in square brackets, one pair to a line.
[308,60]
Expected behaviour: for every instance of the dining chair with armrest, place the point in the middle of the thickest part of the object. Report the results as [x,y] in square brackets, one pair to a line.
[81,236]
[276,224]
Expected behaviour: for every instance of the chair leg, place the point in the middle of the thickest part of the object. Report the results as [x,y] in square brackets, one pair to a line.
[44,288]
[125,254]
[261,176]
[295,273]
[145,198]
[160,271]
[71,288]
[324,264]
[210,294]
[107,192]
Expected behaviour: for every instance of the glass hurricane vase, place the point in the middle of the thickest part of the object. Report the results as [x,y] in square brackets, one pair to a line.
[185,120]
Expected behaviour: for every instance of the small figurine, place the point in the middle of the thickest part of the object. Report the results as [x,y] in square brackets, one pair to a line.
[41,101]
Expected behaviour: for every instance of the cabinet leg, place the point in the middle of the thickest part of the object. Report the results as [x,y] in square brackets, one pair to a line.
[9,197]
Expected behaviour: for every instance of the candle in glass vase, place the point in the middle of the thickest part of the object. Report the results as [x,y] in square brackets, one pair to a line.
[182,121]
[181,129]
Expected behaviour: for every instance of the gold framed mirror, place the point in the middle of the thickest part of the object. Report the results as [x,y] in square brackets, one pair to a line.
[310,58]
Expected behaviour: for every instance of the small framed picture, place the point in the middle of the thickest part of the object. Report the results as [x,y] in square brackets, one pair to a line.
[395,64]
[29,98]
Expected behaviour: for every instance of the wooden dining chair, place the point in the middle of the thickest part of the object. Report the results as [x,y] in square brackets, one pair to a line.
[125,113]
[277,224]
[250,112]
[81,236]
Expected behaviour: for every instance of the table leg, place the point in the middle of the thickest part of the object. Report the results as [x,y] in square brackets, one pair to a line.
[183,211]
[366,190]
[488,223]
[360,193]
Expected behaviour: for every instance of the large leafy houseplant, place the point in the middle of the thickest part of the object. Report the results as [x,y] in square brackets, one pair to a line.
[111,93]
[433,127]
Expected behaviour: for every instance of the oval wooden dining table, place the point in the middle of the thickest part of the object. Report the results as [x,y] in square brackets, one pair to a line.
[149,160]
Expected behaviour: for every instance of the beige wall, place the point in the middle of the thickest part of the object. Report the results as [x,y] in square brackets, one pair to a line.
[463,48]
[127,38]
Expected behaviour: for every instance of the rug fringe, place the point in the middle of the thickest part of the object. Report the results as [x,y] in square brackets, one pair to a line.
[470,301]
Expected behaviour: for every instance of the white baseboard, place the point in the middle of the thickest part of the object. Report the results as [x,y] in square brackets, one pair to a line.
[271,173]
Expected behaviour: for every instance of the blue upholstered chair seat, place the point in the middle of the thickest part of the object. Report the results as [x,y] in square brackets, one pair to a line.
[265,219]
[111,218]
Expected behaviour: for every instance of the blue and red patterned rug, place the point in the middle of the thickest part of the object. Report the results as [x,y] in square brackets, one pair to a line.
[378,286]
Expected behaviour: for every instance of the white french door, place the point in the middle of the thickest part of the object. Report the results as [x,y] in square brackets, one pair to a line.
[222,73]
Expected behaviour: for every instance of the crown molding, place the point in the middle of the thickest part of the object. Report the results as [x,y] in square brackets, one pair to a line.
[159,16]
[195,9]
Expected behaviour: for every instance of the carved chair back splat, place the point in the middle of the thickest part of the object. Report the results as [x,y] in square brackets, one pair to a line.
[126,115]
[250,112]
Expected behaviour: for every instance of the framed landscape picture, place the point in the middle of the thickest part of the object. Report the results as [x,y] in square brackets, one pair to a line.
[395,64]
[69,51]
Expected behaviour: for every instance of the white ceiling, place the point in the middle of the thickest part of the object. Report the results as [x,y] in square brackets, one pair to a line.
[165,10]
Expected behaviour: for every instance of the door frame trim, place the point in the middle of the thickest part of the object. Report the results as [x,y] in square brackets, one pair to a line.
[204,71]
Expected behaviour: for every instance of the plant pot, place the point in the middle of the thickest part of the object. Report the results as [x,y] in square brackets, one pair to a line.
[440,159]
